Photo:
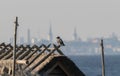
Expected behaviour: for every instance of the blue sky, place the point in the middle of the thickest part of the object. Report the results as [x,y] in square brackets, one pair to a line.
[92,18]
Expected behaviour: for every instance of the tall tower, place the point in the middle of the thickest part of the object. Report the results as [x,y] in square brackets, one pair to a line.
[11,40]
[21,40]
[28,37]
[75,34]
[50,37]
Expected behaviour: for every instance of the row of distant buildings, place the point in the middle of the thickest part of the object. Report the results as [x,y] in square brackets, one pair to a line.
[35,40]
[77,46]
[92,46]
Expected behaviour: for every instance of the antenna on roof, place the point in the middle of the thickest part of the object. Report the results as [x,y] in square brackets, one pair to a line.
[14,49]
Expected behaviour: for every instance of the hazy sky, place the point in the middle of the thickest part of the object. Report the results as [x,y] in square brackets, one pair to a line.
[92,18]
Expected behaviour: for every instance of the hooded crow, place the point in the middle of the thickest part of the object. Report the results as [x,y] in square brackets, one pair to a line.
[60,41]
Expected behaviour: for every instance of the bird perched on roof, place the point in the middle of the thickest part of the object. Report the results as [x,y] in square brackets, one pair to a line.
[60,41]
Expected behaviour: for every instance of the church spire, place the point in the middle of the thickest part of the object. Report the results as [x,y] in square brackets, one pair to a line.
[75,34]
[50,33]
[28,37]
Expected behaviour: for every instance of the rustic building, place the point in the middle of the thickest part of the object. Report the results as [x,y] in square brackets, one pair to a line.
[37,61]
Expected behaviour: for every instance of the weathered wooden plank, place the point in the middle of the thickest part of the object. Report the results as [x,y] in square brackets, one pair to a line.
[7,49]
[11,61]
[30,55]
[20,50]
[24,54]
[8,56]
[4,54]
[2,49]
[34,49]
[42,60]
[51,52]
[22,62]
[46,47]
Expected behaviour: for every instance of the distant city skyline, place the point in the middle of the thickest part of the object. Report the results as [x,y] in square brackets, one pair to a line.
[76,46]
[90,17]
[34,40]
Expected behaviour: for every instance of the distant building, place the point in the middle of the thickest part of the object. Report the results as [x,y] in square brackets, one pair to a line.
[50,35]
[21,40]
[75,34]
[34,40]
[114,36]
[28,37]
[11,40]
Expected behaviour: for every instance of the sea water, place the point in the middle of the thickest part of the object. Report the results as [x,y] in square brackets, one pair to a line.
[91,65]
